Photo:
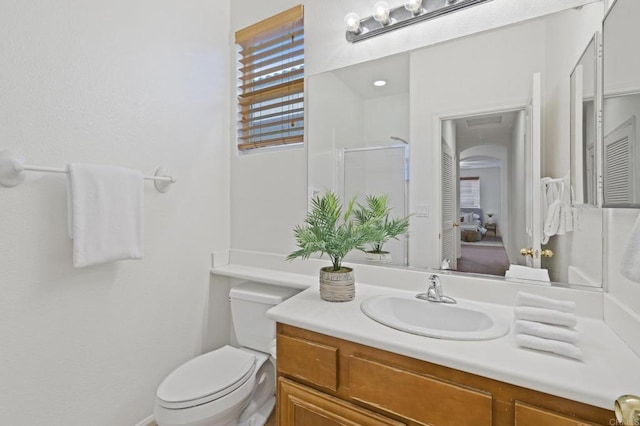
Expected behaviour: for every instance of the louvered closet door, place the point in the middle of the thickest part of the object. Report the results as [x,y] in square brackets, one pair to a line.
[449,209]
[620,166]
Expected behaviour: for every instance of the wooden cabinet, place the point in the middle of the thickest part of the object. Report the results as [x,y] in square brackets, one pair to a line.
[528,415]
[323,380]
[303,406]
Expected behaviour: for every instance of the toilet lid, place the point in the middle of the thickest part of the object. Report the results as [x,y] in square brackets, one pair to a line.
[206,378]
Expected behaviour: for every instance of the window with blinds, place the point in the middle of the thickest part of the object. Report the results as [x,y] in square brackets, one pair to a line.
[271,85]
[470,192]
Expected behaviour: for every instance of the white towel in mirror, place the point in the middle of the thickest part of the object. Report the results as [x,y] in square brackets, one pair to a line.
[527,273]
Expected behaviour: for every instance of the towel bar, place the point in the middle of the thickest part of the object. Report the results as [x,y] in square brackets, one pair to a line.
[12,167]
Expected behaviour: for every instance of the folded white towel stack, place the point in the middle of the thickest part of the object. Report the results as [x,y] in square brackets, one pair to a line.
[105,213]
[526,299]
[546,324]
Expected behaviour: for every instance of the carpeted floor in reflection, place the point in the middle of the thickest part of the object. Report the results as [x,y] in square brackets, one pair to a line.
[490,260]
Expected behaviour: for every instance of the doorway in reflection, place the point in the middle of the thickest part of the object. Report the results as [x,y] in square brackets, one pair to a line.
[486,190]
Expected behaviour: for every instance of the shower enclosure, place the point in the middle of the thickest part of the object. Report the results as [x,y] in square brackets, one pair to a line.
[375,171]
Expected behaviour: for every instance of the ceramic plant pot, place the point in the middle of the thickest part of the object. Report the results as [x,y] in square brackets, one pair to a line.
[337,286]
[381,257]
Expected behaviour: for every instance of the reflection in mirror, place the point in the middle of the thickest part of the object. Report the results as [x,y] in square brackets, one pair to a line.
[358,137]
[381,170]
[585,268]
[584,148]
[351,120]
[621,106]
[484,152]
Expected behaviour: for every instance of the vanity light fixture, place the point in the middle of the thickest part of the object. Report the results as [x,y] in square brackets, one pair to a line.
[352,22]
[414,6]
[385,18]
[381,12]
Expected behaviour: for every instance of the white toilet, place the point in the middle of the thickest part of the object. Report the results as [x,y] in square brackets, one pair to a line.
[229,386]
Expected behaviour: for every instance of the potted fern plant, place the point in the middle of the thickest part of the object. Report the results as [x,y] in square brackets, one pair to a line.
[331,229]
[377,214]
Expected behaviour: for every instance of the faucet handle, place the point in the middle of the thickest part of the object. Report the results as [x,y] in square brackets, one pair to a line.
[434,292]
[435,284]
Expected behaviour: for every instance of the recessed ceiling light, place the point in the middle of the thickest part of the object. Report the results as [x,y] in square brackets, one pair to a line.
[379,83]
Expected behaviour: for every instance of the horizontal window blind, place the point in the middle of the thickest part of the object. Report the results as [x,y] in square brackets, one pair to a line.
[271,81]
[470,192]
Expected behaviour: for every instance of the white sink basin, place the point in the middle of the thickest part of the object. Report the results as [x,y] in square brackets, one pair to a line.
[461,321]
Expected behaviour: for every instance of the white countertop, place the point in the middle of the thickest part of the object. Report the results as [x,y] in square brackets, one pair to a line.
[609,369]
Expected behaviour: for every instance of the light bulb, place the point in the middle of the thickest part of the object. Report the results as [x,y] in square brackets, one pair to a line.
[352,22]
[381,12]
[413,6]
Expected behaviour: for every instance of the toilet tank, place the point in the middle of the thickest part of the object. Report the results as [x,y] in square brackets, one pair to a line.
[249,305]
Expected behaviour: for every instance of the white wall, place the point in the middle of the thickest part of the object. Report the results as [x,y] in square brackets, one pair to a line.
[517,196]
[137,84]
[384,117]
[334,126]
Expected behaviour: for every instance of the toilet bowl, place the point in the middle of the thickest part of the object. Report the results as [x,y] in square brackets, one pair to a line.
[229,386]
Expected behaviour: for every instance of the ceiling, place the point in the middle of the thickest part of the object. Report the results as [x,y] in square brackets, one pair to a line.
[494,129]
[392,69]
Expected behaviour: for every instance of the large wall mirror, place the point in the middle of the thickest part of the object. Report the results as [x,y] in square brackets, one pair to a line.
[383,126]
[621,106]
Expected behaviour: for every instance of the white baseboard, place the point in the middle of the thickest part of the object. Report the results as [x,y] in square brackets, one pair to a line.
[149,421]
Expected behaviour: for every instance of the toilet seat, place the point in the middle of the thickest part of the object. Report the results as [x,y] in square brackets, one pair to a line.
[206,378]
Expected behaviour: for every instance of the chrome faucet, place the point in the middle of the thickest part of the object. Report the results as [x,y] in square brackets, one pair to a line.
[434,292]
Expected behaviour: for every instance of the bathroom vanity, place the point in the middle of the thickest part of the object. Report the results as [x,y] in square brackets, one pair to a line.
[323,380]
[337,366]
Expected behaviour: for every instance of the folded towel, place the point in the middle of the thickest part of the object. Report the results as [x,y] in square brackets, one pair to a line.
[554,346]
[105,213]
[547,331]
[630,264]
[527,299]
[547,316]
[527,273]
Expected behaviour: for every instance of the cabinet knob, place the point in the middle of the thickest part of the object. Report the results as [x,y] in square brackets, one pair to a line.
[546,253]
[627,410]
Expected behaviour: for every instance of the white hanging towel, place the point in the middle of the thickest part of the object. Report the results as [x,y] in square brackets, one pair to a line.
[557,213]
[105,211]
[630,264]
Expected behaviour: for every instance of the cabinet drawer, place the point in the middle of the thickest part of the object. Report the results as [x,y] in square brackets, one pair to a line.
[415,396]
[528,415]
[309,361]
[299,405]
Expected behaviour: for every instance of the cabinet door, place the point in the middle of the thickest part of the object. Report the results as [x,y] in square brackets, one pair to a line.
[418,397]
[299,405]
[528,415]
